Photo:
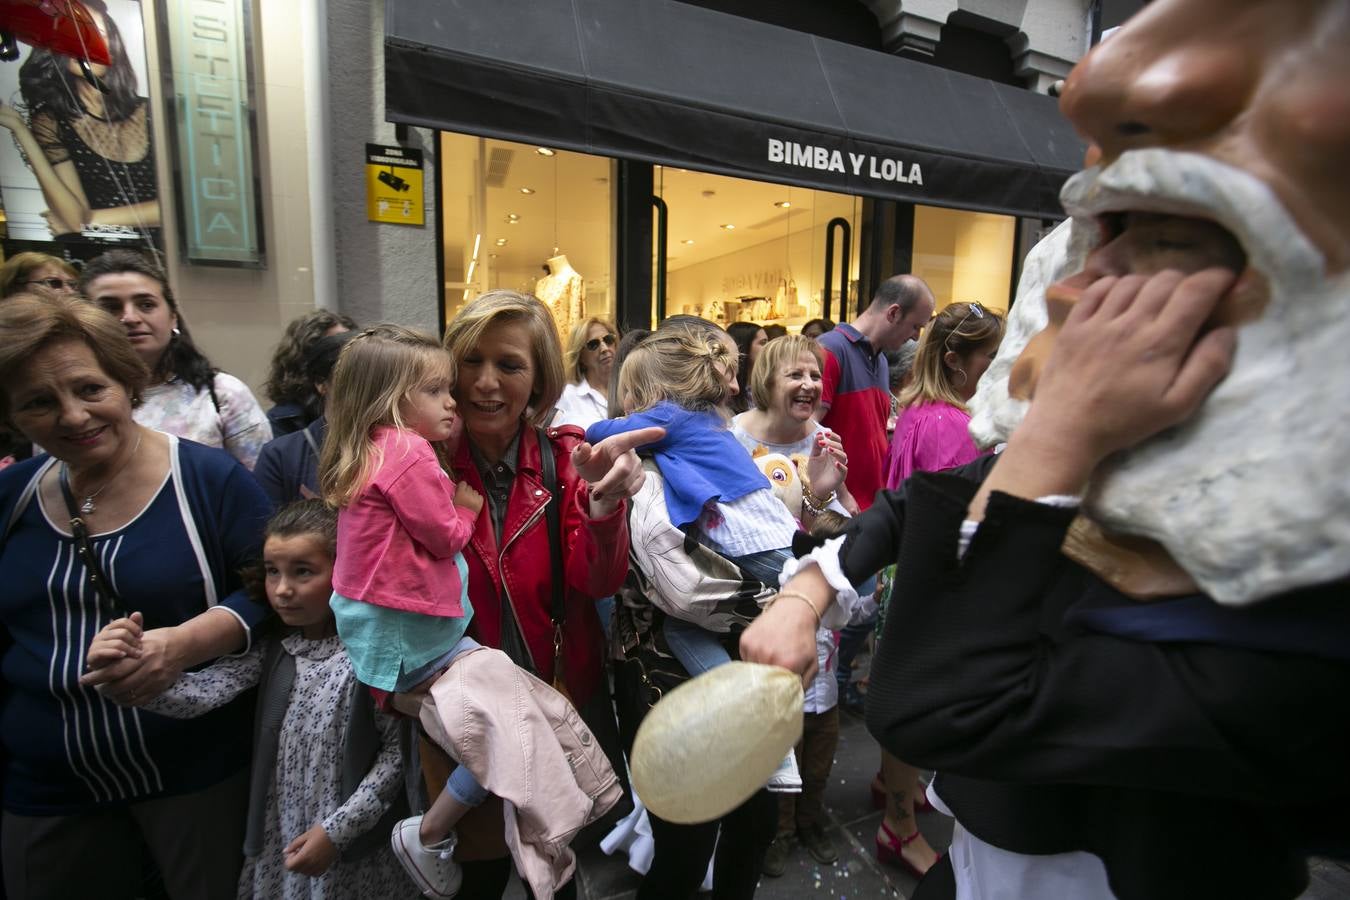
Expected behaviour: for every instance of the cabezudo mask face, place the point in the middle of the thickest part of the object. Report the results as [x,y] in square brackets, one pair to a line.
[1220,130]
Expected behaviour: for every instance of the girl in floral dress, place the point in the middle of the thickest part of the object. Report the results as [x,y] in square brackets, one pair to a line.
[327,766]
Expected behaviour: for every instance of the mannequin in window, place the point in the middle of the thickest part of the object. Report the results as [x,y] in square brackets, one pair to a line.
[564,293]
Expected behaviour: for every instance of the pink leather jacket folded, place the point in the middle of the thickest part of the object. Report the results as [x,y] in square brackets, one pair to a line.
[524,742]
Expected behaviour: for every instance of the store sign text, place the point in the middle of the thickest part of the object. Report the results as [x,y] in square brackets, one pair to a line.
[810,156]
[215,151]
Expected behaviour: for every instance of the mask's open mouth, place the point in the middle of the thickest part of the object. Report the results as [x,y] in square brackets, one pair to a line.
[1146,242]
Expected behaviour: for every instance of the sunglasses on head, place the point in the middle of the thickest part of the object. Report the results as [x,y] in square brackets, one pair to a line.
[55,284]
[594,343]
[975,310]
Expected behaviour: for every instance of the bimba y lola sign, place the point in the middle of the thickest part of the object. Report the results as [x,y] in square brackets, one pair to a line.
[810,156]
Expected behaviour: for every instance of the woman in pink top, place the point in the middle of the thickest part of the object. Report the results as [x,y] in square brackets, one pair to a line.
[931,434]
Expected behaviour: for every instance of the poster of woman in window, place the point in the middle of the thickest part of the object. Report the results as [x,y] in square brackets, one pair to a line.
[81,165]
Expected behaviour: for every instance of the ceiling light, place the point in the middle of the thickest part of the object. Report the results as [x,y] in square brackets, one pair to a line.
[527,190]
[512,216]
[729,227]
[545,151]
[690,241]
[501,242]
[783,204]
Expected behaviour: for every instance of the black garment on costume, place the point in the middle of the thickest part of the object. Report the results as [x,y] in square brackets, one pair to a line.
[1197,750]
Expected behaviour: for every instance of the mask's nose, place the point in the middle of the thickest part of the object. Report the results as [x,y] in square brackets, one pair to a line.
[1159,81]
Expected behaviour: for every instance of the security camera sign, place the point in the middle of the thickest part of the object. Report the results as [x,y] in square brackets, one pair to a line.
[394,185]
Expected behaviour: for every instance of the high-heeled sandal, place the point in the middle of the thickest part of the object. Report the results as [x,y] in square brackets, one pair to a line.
[888,851]
[921,803]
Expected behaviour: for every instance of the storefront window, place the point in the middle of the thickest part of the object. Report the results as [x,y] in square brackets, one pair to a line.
[752,251]
[964,256]
[529,219]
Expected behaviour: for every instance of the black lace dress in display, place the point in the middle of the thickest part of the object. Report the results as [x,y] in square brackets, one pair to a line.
[114,159]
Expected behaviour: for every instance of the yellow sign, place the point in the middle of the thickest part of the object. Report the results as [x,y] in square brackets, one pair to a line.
[394,185]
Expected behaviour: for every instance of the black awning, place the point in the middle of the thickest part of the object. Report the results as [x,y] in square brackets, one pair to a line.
[677,84]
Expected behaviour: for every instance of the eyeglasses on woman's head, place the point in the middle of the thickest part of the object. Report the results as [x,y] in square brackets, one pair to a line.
[974,309]
[594,343]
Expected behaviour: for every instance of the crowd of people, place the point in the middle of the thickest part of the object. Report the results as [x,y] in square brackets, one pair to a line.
[393,635]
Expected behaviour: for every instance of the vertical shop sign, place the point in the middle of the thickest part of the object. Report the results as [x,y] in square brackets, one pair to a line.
[77,148]
[394,185]
[213,130]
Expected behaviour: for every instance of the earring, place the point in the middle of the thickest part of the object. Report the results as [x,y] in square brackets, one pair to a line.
[176,331]
[964,378]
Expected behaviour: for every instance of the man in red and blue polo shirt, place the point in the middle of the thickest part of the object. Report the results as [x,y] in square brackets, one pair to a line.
[856,395]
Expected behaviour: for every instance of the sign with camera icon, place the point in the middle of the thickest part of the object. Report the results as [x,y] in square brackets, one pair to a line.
[394,185]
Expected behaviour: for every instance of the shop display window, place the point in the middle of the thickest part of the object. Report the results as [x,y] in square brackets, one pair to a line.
[741,250]
[965,256]
[526,218]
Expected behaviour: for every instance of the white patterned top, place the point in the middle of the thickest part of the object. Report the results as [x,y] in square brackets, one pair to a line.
[240,426]
[307,779]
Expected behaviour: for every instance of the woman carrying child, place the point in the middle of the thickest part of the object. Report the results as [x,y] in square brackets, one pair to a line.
[326,763]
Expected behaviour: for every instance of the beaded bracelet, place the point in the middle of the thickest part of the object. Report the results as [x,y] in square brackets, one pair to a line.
[814,504]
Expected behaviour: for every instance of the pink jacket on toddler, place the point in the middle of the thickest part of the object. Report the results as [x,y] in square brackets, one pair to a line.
[397,541]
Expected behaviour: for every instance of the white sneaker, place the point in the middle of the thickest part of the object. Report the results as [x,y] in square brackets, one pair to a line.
[432,869]
[786,780]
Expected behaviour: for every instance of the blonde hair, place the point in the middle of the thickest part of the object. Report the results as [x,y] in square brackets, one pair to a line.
[687,367]
[776,353]
[956,329]
[576,342]
[32,322]
[502,307]
[376,371]
[16,271]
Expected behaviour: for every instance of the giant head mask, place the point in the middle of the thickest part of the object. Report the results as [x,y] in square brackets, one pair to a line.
[1220,130]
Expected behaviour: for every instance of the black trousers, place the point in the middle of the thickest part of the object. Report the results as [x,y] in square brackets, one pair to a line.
[683,851]
[486,879]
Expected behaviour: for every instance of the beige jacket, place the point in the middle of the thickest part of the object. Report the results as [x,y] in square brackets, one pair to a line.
[525,743]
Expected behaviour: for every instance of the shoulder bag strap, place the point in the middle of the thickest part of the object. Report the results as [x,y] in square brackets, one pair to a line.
[553,518]
[106,595]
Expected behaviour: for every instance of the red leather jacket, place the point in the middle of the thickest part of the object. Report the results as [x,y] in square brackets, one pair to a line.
[595,560]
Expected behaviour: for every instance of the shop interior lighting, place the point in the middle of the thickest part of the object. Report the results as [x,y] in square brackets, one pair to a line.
[527,190]
[729,227]
[783,204]
[687,241]
[473,260]
[545,151]
[501,242]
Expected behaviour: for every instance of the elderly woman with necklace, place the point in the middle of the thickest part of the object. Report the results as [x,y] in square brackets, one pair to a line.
[114,520]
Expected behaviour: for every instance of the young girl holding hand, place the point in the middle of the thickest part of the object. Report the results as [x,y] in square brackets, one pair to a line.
[318,731]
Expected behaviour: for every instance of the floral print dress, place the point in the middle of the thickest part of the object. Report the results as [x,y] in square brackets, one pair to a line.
[307,778]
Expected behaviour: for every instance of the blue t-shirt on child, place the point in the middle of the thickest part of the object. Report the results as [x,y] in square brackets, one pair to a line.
[700,459]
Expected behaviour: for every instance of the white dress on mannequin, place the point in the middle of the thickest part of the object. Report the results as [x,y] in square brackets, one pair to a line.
[563,291]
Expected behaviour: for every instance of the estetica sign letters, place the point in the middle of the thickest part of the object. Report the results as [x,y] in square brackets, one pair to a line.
[214,146]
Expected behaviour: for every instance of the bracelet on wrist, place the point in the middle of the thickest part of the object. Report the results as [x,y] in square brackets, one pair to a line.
[802,597]
[814,504]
